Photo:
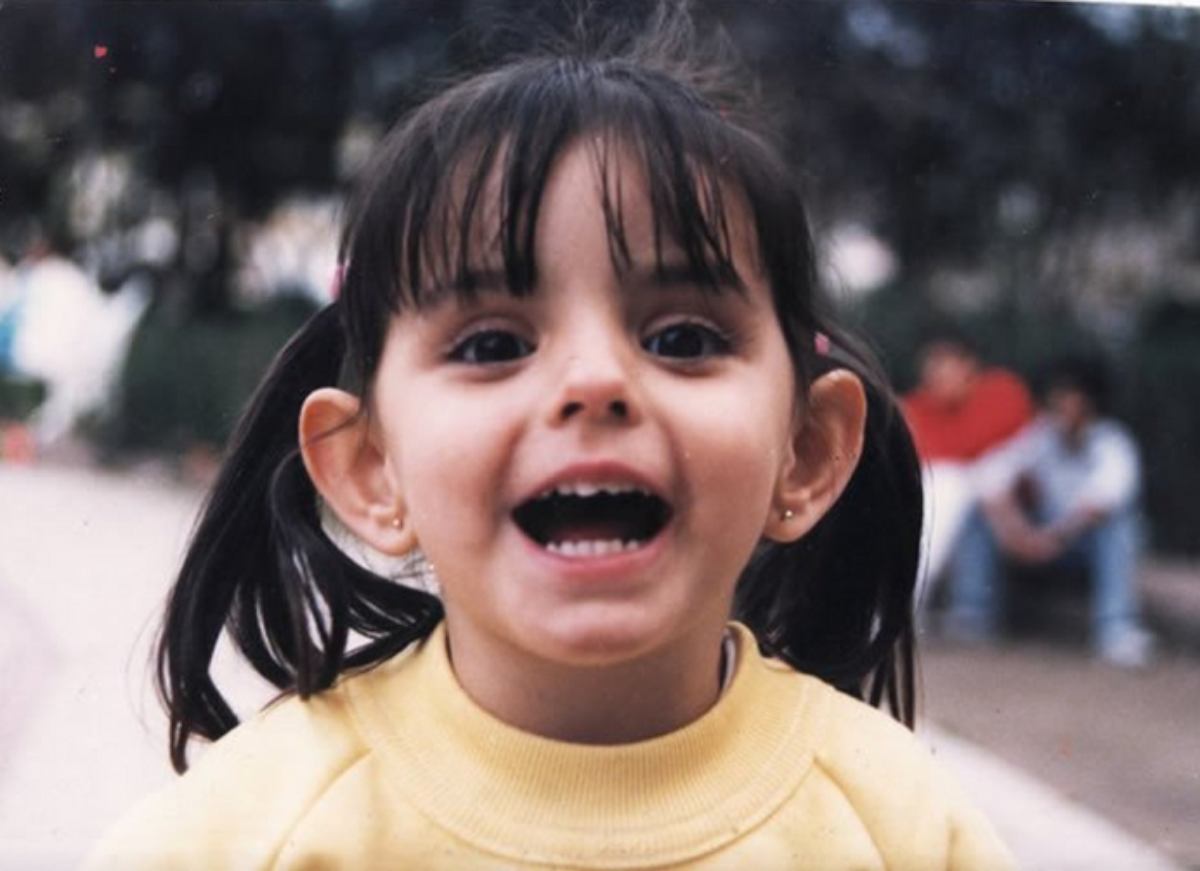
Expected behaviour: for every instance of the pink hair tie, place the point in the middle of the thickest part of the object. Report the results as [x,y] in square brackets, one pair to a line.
[821,343]
[335,284]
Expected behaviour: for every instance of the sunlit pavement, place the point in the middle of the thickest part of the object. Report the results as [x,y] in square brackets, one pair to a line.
[85,559]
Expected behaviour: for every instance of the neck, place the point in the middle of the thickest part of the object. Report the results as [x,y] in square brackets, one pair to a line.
[620,703]
[1074,435]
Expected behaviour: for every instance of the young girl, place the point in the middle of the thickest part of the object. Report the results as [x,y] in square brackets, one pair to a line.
[578,361]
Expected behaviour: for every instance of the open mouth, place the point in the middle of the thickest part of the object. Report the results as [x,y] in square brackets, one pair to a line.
[581,520]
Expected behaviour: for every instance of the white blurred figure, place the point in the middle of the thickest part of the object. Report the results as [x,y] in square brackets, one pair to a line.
[70,336]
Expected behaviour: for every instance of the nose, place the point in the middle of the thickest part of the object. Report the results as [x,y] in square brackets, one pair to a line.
[617,409]
[597,386]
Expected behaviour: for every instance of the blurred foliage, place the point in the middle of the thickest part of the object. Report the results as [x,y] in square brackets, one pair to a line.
[231,106]
[956,131]
[959,125]
[19,397]
[186,381]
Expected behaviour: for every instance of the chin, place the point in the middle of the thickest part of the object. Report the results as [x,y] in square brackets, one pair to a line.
[600,636]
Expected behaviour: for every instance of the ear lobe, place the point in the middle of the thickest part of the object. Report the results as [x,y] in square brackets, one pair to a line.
[824,453]
[352,472]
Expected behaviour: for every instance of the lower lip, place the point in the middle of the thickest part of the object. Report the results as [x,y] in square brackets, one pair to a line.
[606,567]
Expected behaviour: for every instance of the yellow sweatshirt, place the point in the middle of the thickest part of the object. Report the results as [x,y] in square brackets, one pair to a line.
[398,768]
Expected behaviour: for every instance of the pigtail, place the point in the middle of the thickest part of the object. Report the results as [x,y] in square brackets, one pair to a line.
[838,603]
[260,565]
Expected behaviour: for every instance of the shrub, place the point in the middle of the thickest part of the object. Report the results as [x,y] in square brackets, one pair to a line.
[185,382]
[19,396]
[1166,418]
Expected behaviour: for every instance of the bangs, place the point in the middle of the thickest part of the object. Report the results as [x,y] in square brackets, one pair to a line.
[463,180]
[455,192]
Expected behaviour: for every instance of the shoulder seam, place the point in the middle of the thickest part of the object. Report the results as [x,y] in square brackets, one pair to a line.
[337,774]
[818,762]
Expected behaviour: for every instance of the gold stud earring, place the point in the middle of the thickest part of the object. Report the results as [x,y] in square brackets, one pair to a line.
[787,514]
[396,521]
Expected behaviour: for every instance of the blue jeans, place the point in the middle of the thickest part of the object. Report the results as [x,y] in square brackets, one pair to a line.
[1108,551]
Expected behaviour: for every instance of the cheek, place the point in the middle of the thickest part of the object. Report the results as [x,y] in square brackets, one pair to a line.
[740,444]
[452,460]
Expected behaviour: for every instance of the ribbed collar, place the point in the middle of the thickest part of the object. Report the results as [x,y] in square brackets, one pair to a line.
[533,799]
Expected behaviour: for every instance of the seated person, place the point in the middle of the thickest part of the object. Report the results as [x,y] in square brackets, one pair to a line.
[960,412]
[1065,491]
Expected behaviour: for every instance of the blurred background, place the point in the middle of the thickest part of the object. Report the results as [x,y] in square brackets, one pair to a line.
[170,182]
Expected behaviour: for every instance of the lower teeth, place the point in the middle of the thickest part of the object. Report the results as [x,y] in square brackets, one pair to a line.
[592,548]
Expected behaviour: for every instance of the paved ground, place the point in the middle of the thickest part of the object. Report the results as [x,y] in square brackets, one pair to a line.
[84,562]
[1126,744]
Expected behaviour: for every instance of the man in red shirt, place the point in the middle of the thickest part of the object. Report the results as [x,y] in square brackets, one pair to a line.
[960,410]
[959,413]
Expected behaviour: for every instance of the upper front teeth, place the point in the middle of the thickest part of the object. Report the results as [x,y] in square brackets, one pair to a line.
[584,488]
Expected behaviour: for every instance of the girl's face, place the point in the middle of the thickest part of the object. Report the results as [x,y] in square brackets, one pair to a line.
[590,467]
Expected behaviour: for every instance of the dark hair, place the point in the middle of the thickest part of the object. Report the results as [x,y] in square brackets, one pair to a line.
[946,332]
[1087,373]
[837,604]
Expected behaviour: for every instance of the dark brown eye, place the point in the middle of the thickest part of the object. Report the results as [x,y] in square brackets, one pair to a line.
[489,347]
[686,341]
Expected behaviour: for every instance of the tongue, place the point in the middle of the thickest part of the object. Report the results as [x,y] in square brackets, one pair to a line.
[591,530]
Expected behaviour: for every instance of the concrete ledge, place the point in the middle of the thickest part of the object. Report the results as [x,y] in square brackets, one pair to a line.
[1043,828]
[1170,591]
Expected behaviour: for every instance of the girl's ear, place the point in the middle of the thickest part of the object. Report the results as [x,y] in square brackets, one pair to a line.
[352,472]
[824,451]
